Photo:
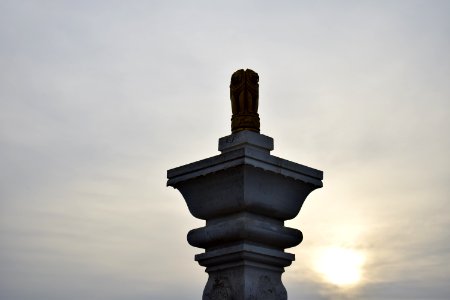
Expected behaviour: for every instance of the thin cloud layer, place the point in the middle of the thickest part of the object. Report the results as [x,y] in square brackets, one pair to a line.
[100,99]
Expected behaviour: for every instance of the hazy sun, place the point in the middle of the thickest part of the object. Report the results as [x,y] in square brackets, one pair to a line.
[340,266]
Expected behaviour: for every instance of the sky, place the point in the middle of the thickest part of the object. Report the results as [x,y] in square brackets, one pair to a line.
[100,98]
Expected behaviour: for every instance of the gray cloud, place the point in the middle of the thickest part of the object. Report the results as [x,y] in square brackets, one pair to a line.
[100,99]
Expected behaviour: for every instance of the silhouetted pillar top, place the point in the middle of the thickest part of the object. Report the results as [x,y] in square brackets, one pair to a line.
[244,94]
[244,194]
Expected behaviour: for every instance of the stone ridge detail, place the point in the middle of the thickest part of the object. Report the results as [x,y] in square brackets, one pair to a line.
[245,155]
[244,227]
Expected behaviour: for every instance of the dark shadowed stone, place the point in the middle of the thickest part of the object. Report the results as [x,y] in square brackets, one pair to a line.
[245,195]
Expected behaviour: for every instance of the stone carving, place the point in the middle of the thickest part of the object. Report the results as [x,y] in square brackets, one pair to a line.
[268,290]
[220,289]
[244,95]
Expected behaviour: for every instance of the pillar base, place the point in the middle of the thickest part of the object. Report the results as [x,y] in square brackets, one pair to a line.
[245,272]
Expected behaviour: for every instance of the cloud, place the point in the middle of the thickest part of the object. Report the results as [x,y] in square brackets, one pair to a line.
[98,101]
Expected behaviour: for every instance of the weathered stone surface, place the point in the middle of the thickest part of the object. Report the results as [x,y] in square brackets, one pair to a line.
[246,138]
[244,282]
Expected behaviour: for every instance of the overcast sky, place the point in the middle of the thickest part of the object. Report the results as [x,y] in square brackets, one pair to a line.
[100,98]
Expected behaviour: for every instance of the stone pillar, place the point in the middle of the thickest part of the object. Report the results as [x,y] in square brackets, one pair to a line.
[244,194]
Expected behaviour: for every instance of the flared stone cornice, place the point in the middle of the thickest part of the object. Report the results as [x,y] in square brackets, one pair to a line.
[245,148]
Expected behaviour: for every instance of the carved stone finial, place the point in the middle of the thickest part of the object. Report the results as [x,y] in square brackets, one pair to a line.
[244,94]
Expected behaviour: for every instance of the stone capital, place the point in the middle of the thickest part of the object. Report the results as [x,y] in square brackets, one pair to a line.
[244,194]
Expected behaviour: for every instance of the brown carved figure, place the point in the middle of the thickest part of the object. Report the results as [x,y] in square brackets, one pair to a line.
[244,95]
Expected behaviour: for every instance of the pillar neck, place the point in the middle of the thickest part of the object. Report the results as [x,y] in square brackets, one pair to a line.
[246,139]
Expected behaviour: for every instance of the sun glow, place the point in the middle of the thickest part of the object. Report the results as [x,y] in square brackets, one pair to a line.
[340,266]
